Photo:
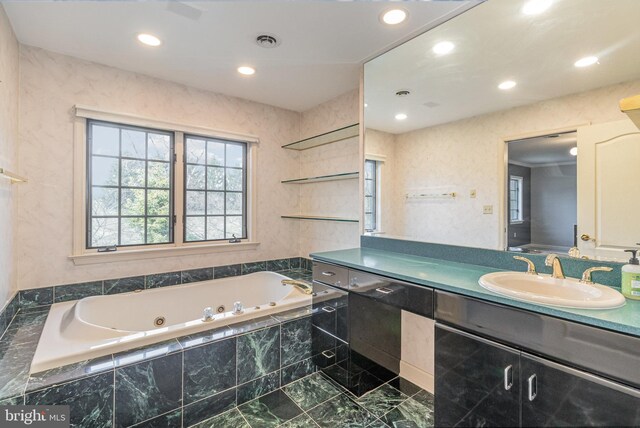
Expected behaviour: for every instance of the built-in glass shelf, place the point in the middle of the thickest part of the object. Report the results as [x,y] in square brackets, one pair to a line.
[321,218]
[331,177]
[326,138]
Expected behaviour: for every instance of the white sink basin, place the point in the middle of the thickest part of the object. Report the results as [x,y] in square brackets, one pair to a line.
[545,290]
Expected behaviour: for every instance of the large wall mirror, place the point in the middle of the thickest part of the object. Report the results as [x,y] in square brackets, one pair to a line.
[502,129]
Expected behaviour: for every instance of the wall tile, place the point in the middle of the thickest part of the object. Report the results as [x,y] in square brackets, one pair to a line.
[278,265]
[295,262]
[209,369]
[253,267]
[69,372]
[226,271]
[168,420]
[148,389]
[147,352]
[258,387]
[205,337]
[162,279]
[36,297]
[195,275]
[258,353]
[64,293]
[123,285]
[296,340]
[91,399]
[296,371]
[209,407]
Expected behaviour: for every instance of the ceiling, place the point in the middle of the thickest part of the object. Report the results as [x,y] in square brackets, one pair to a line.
[544,150]
[323,44]
[495,42]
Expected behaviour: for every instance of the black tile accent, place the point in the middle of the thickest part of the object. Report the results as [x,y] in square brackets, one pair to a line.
[253,267]
[296,340]
[278,265]
[91,399]
[36,297]
[64,293]
[226,271]
[211,406]
[162,279]
[258,353]
[123,285]
[258,387]
[149,389]
[195,275]
[209,369]
[295,262]
[405,386]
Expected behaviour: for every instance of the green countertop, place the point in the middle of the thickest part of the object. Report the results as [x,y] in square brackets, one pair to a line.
[463,278]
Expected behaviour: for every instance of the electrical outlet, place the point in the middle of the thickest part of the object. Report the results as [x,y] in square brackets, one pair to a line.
[472,193]
[487,209]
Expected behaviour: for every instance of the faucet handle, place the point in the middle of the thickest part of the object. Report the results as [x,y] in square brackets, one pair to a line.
[531,268]
[586,276]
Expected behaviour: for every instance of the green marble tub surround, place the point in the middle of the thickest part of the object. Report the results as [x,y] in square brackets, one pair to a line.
[462,278]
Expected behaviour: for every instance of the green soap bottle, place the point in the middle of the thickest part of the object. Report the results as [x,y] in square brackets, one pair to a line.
[631,277]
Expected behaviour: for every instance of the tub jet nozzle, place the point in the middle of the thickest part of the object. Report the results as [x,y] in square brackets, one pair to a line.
[237,308]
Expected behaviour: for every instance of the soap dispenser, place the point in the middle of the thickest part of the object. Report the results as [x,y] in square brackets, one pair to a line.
[631,277]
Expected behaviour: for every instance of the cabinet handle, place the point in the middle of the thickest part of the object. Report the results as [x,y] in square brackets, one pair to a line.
[384,290]
[533,387]
[328,273]
[508,377]
[328,309]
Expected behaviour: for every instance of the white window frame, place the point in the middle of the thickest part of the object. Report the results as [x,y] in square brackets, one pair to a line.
[520,181]
[81,255]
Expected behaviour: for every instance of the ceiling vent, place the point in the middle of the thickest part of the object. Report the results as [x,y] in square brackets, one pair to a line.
[267,41]
[403,93]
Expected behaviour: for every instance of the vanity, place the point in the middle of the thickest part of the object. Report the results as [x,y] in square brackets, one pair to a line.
[498,361]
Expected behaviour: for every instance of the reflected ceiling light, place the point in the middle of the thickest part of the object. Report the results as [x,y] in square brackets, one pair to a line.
[366,105]
[246,70]
[401,116]
[507,84]
[586,61]
[443,48]
[573,151]
[149,39]
[535,7]
[394,16]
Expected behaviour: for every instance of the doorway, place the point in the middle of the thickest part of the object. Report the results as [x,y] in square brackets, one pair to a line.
[541,190]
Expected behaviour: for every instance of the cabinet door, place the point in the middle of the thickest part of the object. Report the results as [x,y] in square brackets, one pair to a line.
[477,381]
[556,395]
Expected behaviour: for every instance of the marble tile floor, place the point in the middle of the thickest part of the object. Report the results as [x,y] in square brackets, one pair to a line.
[315,401]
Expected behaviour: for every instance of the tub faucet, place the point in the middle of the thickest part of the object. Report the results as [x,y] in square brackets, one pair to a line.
[300,285]
[207,314]
[554,261]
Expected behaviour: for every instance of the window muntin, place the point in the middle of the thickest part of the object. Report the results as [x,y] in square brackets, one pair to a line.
[516,190]
[370,195]
[215,195]
[129,185]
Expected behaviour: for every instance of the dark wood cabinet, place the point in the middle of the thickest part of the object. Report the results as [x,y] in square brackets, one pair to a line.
[483,383]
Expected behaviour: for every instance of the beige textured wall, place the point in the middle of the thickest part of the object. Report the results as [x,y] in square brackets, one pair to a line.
[464,155]
[51,84]
[332,198]
[9,66]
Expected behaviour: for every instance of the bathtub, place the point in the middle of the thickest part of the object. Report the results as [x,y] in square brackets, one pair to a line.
[102,325]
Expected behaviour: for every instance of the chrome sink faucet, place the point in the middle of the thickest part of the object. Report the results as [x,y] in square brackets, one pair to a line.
[554,261]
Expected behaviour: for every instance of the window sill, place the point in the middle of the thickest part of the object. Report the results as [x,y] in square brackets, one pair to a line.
[153,253]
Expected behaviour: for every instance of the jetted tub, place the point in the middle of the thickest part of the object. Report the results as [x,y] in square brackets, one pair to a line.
[102,325]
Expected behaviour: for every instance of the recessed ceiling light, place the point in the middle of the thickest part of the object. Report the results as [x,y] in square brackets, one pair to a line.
[401,116]
[507,84]
[246,70]
[573,151]
[149,39]
[443,48]
[394,16]
[586,61]
[535,7]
